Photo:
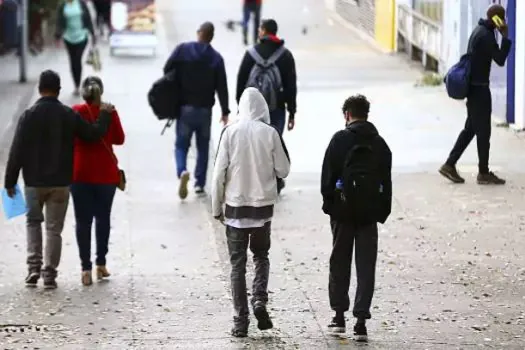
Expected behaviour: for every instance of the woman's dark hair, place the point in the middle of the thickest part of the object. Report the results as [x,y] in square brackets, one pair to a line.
[92,86]
[358,106]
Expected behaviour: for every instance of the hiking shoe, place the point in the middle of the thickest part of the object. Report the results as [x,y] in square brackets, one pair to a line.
[490,179]
[50,284]
[261,314]
[451,173]
[183,185]
[32,279]
[338,325]
[360,333]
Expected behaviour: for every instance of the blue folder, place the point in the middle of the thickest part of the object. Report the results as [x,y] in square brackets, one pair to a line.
[15,206]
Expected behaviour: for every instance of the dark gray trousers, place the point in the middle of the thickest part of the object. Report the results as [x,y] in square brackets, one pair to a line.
[258,239]
[365,238]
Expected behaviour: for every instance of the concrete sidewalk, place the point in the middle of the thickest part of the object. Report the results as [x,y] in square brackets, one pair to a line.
[450,269]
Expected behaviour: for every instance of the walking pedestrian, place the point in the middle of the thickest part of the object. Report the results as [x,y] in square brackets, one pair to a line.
[95,179]
[74,26]
[483,49]
[356,186]
[277,81]
[251,8]
[103,15]
[200,73]
[250,154]
[42,149]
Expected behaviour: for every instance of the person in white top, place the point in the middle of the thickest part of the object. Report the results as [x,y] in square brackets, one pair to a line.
[250,157]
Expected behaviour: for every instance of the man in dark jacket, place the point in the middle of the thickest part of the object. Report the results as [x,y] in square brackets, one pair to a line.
[287,96]
[346,231]
[484,49]
[200,73]
[42,149]
[251,7]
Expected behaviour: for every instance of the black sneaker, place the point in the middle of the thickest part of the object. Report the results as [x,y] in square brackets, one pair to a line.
[360,333]
[490,179]
[239,333]
[451,173]
[32,279]
[338,325]
[261,314]
[50,284]
[199,190]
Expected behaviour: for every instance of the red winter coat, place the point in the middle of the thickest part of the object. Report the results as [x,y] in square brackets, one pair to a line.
[95,162]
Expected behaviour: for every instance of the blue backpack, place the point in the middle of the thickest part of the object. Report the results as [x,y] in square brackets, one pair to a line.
[457,80]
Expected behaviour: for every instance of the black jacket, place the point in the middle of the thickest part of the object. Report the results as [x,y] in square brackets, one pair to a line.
[43,143]
[286,65]
[200,73]
[61,22]
[335,157]
[484,48]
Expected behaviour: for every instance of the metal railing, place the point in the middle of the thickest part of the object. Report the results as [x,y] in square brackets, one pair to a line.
[419,31]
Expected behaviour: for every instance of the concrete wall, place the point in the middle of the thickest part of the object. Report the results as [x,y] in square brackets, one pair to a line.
[360,13]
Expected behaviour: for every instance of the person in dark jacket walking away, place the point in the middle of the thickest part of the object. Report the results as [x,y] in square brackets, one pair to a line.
[251,8]
[356,186]
[43,149]
[95,179]
[74,25]
[200,73]
[483,48]
[285,79]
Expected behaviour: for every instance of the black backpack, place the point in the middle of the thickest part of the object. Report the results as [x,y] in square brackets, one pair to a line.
[162,97]
[361,182]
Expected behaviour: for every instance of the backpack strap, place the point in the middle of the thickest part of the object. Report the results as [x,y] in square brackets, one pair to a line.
[268,62]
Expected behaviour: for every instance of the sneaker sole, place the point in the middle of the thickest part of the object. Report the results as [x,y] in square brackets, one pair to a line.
[183,186]
[337,330]
[50,287]
[263,319]
[31,285]
[361,338]
[451,178]
[485,183]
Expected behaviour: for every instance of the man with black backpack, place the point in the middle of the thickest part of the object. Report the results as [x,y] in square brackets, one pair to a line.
[356,186]
[270,67]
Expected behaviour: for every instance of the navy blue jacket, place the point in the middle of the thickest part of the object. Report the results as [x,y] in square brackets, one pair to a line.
[201,73]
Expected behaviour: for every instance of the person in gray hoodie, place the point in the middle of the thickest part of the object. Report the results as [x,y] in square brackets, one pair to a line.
[251,156]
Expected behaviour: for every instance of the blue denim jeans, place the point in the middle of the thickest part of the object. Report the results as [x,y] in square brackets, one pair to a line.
[193,120]
[92,201]
[278,119]
[248,10]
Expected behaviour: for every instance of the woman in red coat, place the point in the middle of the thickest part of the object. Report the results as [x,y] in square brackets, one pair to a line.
[95,179]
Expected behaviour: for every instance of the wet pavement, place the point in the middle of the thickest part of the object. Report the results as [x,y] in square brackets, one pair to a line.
[451,264]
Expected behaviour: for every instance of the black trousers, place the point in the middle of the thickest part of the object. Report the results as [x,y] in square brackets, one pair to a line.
[366,239]
[75,53]
[479,114]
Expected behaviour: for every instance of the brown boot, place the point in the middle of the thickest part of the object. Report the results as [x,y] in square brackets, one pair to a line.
[87,279]
[102,272]
[451,173]
[490,179]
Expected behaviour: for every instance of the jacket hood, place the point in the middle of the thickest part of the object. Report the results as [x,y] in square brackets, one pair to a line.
[253,106]
[486,23]
[363,128]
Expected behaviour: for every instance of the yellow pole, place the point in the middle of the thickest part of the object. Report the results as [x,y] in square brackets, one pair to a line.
[385,24]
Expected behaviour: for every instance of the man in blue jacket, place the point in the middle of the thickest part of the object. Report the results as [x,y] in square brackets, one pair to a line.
[201,74]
